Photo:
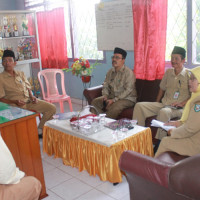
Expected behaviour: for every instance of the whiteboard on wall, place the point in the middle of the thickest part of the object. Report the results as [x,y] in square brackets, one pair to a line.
[114,24]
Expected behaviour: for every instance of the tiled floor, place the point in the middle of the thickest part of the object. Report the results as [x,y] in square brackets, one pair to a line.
[64,182]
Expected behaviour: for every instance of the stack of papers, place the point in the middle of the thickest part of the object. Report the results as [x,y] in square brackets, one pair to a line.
[174,107]
[160,124]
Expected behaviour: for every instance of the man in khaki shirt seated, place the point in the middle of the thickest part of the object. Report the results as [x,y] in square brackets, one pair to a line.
[16,90]
[174,91]
[119,90]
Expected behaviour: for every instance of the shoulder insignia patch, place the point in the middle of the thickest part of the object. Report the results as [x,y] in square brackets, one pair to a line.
[197,108]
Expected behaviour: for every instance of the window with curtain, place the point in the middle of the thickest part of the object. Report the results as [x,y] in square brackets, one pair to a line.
[80,25]
[183,29]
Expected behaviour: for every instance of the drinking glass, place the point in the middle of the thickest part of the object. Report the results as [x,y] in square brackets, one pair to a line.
[124,129]
[55,118]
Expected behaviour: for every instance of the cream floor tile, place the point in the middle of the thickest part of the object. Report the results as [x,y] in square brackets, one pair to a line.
[93,181]
[52,196]
[94,194]
[71,189]
[53,161]
[126,197]
[47,167]
[54,177]
[117,191]
[73,171]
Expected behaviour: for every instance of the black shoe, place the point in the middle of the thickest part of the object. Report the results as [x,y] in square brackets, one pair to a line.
[40,136]
[156,146]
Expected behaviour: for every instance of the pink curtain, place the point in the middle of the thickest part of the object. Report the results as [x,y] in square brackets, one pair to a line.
[52,37]
[150,23]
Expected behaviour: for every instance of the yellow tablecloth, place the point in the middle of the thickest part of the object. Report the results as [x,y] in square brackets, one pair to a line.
[95,158]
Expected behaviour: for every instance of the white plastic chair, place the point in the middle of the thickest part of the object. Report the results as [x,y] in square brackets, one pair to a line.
[52,94]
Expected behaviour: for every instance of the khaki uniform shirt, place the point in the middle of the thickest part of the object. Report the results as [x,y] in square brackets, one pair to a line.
[189,132]
[192,126]
[120,85]
[14,88]
[172,84]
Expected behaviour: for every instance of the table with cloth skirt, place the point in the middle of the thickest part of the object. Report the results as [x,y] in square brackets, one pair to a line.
[98,153]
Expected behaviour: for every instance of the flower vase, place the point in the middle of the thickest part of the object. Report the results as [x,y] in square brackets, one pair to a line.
[86,79]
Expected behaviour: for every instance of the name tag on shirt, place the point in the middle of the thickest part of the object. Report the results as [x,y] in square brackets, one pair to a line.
[19,80]
[176,95]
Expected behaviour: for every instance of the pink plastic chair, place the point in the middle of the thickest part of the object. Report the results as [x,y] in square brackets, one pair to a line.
[52,94]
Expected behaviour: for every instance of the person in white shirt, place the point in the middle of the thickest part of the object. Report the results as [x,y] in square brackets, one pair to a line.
[14,185]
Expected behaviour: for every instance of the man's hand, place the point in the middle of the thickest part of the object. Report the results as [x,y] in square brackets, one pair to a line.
[19,102]
[34,99]
[169,132]
[105,98]
[109,103]
[173,123]
[178,105]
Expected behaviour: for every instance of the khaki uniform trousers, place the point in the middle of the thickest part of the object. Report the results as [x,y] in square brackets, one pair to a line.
[29,188]
[142,110]
[114,110]
[47,110]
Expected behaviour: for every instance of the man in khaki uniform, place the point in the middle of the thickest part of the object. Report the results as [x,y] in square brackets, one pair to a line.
[173,91]
[16,90]
[185,138]
[119,90]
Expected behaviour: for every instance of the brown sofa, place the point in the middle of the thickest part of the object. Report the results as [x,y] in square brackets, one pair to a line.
[169,176]
[146,91]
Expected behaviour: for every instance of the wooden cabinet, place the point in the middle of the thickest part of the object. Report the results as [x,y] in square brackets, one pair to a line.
[21,137]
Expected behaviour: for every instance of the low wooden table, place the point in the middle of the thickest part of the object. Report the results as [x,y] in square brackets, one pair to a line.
[98,153]
[21,136]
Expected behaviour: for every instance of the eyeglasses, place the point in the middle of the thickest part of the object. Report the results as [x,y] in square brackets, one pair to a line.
[116,57]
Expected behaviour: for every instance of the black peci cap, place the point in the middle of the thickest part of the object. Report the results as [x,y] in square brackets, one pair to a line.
[8,53]
[120,51]
[179,50]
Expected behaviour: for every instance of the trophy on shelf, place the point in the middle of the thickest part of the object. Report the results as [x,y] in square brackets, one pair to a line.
[1,53]
[10,27]
[19,55]
[5,26]
[15,27]
[24,25]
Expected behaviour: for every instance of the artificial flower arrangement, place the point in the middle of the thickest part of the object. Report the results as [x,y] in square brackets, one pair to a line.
[82,67]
